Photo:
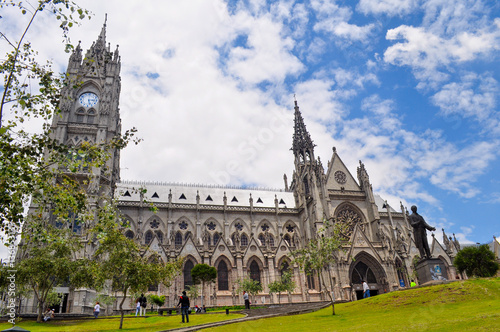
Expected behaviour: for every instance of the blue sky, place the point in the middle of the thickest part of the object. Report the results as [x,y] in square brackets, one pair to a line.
[409,87]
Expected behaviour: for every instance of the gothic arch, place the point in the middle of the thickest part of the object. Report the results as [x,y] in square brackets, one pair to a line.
[209,223]
[129,234]
[160,224]
[270,229]
[148,237]
[183,224]
[349,214]
[223,277]
[367,267]
[289,227]
[189,263]
[233,226]
[255,269]
[90,86]
[130,221]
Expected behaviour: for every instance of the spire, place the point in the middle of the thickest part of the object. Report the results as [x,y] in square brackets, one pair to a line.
[303,146]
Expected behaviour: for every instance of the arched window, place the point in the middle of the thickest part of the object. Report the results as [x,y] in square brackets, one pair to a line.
[160,236]
[208,239]
[262,240]
[216,238]
[129,234]
[90,116]
[285,267]
[271,240]
[148,237]
[287,239]
[178,240]
[80,115]
[363,272]
[222,276]
[254,271]
[188,280]
[244,240]
[310,280]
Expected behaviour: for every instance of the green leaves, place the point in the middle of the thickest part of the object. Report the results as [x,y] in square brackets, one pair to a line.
[476,261]
[203,273]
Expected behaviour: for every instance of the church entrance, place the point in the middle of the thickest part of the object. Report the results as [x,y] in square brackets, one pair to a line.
[366,268]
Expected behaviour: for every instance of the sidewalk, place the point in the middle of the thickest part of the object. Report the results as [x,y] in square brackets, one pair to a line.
[254,314]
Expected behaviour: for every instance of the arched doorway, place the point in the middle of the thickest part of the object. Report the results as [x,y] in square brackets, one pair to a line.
[365,267]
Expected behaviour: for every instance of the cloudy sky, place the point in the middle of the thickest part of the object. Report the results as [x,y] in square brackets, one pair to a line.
[410,87]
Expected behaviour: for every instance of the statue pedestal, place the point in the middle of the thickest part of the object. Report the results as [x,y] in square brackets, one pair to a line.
[431,269]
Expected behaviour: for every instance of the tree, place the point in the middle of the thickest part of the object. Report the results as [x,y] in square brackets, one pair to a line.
[321,252]
[252,287]
[49,260]
[203,273]
[285,284]
[193,291]
[477,261]
[120,260]
[158,300]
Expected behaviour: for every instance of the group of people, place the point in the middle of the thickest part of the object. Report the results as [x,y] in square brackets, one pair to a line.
[140,305]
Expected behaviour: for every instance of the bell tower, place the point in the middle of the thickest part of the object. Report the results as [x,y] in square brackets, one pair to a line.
[308,181]
[89,108]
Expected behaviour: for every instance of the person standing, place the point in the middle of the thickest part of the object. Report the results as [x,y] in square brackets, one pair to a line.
[97,309]
[184,304]
[366,290]
[144,303]
[247,301]
[137,307]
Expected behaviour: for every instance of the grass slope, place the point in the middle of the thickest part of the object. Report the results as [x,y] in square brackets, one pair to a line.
[130,323]
[472,305]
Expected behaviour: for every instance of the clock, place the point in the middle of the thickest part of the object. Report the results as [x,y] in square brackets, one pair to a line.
[88,99]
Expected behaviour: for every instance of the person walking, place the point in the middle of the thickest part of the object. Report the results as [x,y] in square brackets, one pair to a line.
[97,309]
[247,300]
[144,303]
[137,307]
[184,304]
[366,290]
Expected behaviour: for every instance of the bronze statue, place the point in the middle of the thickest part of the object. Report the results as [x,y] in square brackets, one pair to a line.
[419,226]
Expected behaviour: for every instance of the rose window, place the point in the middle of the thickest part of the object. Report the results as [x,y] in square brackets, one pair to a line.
[349,218]
[183,225]
[211,226]
[239,226]
[154,224]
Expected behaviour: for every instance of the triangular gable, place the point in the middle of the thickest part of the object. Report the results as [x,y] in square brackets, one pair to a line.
[280,253]
[222,249]
[155,246]
[360,240]
[189,248]
[438,250]
[337,165]
[254,250]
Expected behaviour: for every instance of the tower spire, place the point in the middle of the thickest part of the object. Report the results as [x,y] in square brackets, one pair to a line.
[303,146]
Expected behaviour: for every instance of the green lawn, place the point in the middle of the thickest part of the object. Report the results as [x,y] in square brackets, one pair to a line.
[472,305]
[130,323]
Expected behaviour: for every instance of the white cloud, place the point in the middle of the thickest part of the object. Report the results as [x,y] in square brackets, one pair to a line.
[474,97]
[387,7]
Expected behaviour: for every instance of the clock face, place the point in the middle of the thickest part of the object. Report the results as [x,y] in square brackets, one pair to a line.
[88,99]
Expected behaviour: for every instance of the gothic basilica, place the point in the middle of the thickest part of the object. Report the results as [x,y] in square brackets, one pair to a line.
[244,232]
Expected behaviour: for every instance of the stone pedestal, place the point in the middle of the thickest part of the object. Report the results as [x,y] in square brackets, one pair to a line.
[431,269]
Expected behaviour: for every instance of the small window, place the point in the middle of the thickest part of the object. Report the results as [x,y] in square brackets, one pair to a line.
[234,199]
[80,115]
[244,240]
[127,194]
[155,195]
[216,238]
[282,201]
[129,235]
[178,240]
[148,237]
[160,236]
[259,200]
[182,196]
[262,239]
[209,198]
[271,240]
[287,239]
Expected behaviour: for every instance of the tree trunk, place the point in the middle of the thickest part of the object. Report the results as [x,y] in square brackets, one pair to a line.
[121,309]
[322,281]
[40,311]
[202,284]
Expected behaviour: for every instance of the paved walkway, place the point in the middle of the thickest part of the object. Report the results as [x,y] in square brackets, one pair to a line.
[253,314]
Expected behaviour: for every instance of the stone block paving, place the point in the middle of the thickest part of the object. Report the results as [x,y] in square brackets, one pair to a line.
[254,314]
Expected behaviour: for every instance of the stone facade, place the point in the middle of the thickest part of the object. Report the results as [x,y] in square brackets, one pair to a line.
[244,231]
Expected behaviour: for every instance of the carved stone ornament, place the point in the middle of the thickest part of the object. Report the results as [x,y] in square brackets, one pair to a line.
[350,218]
[340,177]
